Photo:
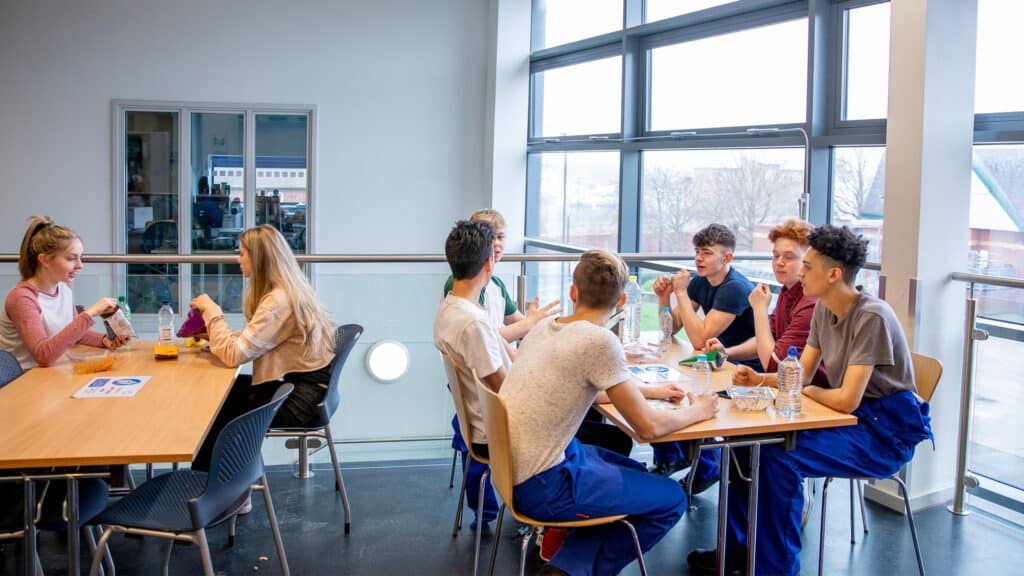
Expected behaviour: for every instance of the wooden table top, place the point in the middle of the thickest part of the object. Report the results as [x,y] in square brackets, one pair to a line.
[731,421]
[41,425]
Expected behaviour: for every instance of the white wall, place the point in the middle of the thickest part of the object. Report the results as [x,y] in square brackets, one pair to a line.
[400,88]
[399,85]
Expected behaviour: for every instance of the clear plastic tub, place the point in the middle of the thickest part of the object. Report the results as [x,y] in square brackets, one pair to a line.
[751,398]
[86,361]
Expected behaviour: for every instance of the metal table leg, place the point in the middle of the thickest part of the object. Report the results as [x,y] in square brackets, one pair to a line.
[723,497]
[73,528]
[30,527]
[755,468]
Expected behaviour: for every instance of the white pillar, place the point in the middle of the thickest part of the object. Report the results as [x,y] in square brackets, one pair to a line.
[927,194]
[507,111]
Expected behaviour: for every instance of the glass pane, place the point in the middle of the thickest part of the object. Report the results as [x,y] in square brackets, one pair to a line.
[748,78]
[660,9]
[151,201]
[218,192]
[579,199]
[996,447]
[997,87]
[748,190]
[564,21]
[997,221]
[218,184]
[867,62]
[282,188]
[581,99]
[858,192]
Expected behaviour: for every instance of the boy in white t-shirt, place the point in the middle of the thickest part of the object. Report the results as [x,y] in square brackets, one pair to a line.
[464,330]
[562,367]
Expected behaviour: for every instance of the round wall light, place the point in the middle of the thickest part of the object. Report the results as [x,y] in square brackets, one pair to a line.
[387,360]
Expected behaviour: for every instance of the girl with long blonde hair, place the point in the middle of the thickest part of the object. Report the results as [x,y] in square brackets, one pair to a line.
[38,322]
[288,336]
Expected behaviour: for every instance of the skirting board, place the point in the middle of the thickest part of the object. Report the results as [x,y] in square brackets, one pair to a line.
[886,493]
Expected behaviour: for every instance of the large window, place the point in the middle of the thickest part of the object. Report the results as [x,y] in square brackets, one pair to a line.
[747,190]
[858,188]
[224,192]
[655,10]
[580,99]
[748,78]
[560,21]
[579,199]
[867,62]
[998,86]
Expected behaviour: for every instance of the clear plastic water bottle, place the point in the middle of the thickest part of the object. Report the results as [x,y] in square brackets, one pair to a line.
[166,322]
[701,375]
[631,319]
[122,303]
[790,384]
[666,323]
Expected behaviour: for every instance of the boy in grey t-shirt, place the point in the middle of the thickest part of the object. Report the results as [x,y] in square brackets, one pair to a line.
[869,369]
[562,367]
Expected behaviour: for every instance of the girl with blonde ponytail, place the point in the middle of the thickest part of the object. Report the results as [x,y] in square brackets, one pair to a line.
[288,336]
[38,322]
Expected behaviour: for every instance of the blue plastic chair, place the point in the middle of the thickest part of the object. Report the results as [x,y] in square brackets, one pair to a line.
[182,505]
[344,341]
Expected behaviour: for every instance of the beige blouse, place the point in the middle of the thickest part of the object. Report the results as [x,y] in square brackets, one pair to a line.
[271,340]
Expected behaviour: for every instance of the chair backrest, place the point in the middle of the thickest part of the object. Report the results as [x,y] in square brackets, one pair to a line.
[160,234]
[344,340]
[237,460]
[499,444]
[927,371]
[9,368]
[455,384]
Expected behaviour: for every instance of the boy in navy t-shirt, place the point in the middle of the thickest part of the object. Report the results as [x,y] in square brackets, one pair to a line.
[721,293]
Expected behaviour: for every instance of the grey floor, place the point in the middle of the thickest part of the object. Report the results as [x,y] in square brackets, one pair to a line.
[403,512]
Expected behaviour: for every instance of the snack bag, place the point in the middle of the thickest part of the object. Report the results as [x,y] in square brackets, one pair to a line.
[193,324]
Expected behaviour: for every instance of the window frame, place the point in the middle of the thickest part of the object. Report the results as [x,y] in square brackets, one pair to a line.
[184,110]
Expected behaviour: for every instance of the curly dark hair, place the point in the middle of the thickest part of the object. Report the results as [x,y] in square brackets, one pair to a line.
[469,245]
[714,234]
[842,246]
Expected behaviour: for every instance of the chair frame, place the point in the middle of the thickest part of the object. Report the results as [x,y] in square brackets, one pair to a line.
[502,466]
[197,512]
[451,368]
[342,348]
[927,372]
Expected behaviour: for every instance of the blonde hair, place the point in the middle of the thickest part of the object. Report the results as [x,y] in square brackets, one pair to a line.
[491,216]
[43,237]
[273,266]
[795,230]
[600,277]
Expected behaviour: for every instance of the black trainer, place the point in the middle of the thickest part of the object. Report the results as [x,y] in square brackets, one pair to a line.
[667,469]
[699,484]
[706,562]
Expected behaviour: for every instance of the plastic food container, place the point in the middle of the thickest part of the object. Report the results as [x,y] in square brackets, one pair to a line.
[751,398]
[165,351]
[88,361]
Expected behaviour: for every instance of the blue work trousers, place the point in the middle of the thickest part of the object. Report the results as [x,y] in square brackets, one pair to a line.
[881,442]
[707,463]
[593,482]
[476,470]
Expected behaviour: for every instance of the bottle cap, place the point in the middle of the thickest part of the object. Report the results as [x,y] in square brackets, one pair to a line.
[120,299]
[665,309]
[792,351]
[632,278]
[167,302]
[702,358]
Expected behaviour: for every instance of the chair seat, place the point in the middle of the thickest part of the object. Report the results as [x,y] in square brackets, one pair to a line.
[159,504]
[567,524]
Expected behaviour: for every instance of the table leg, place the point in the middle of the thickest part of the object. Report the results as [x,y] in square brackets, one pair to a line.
[723,498]
[73,528]
[755,467]
[30,527]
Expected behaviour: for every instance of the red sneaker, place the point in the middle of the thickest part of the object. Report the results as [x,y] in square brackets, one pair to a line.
[553,538]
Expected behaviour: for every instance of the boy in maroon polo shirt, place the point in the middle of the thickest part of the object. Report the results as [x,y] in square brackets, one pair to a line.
[790,322]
